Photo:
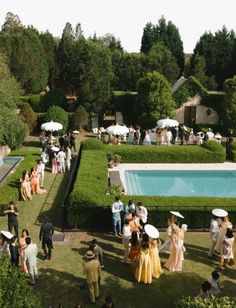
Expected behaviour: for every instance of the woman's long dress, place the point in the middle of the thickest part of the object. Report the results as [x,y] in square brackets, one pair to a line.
[174,263]
[143,272]
[23,246]
[223,229]
[134,253]
[155,260]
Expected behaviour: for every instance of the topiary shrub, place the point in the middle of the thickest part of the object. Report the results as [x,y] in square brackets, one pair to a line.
[35,102]
[14,289]
[57,114]
[54,98]
[28,116]
[232,151]
[92,144]
[80,118]
[213,302]
[216,148]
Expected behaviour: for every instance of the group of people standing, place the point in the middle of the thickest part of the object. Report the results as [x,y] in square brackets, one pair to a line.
[21,249]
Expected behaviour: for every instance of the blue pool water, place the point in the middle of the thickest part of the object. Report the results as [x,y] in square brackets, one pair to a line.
[9,160]
[181,183]
[7,166]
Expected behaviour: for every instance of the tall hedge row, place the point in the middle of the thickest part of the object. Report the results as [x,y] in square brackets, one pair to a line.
[88,198]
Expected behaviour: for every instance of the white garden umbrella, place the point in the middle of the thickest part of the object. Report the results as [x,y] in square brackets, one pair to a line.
[167,123]
[51,126]
[117,130]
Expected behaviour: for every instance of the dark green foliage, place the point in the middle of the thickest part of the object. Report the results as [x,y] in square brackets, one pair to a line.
[166,33]
[188,89]
[213,302]
[9,88]
[28,116]
[53,98]
[92,74]
[229,104]
[215,101]
[14,289]
[93,144]
[218,51]
[232,151]
[154,99]
[80,118]
[215,147]
[57,114]
[12,129]
[36,102]
[160,59]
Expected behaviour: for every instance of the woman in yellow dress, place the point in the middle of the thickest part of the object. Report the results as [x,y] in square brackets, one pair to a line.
[143,272]
[155,259]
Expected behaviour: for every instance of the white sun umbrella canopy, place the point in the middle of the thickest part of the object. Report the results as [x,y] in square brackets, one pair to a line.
[52,126]
[117,130]
[167,123]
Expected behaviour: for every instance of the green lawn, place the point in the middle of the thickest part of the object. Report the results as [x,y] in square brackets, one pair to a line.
[60,278]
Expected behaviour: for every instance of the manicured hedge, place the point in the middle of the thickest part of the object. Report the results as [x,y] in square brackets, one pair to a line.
[232,151]
[213,302]
[88,205]
[210,152]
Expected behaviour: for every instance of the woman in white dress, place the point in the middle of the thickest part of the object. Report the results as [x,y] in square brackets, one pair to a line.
[224,225]
[226,252]
[131,135]
[147,140]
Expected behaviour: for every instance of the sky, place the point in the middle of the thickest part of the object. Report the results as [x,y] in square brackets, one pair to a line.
[125,19]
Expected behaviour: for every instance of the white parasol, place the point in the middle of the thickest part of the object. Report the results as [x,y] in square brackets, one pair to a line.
[151,231]
[51,126]
[117,129]
[75,132]
[55,149]
[177,214]
[167,123]
[219,213]
[7,234]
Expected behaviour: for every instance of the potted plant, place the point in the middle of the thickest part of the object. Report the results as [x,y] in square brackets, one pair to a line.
[116,159]
[110,160]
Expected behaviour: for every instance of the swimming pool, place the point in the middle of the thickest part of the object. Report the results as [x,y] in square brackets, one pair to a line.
[7,166]
[210,183]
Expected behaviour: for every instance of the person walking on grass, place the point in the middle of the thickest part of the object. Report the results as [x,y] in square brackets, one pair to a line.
[30,257]
[116,208]
[45,235]
[92,271]
[12,214]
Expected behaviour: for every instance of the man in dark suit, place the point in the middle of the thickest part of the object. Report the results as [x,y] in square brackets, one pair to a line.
[46,233]
[97,250]
[14,251]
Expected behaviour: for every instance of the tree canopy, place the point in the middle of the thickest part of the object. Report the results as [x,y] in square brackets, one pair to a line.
[229,104]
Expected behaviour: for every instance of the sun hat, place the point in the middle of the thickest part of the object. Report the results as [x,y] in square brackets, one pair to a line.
[75,132]
[184,227]
[177,214]
[151,231]
[89,254]
[55,149]
[7,234]
[218,135]
[219,213]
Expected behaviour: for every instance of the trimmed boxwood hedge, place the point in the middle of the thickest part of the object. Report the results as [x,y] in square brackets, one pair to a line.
[232,151]
[88,200]
[213,302]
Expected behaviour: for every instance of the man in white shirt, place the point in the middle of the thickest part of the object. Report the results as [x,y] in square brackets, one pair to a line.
[142,213]
[214,232]
[68,158]
[40,172]
[30,257]
[61,159]
[116,208]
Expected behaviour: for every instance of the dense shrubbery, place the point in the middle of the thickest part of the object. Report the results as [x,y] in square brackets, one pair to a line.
[213,302]
[57,114]
[35,102]
[189,89]
[53,98]
[28,116]
[14,289]
[91,185]
[232,151]
[211,152]
[80,118]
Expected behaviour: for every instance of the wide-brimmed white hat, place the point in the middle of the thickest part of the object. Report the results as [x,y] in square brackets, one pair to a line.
[218,135]
[89,254]
[177,214]
[7,234]
[75,132]
[55,149]
[151,231]
[219,213]
[184,227]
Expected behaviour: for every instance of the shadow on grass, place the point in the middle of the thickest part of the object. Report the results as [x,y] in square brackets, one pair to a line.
[33,143]
[200,254]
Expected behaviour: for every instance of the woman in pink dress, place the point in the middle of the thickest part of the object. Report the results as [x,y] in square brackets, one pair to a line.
[54,163]
[174,262]
[226,253]
[33,180]
[22,247]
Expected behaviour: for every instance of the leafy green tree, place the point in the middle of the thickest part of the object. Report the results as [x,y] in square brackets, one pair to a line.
[57,114]
[12,129]
[109,41]
[12,24]
[154,99]
[218,51]
[199,69]
[168,34]
[160,59]
[92,74]
[28,116]
[14,289]
[49,45]
[80,118]
[53,98]
[9,88]
[229,115]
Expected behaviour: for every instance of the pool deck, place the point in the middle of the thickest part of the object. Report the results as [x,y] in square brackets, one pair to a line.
[117,175]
